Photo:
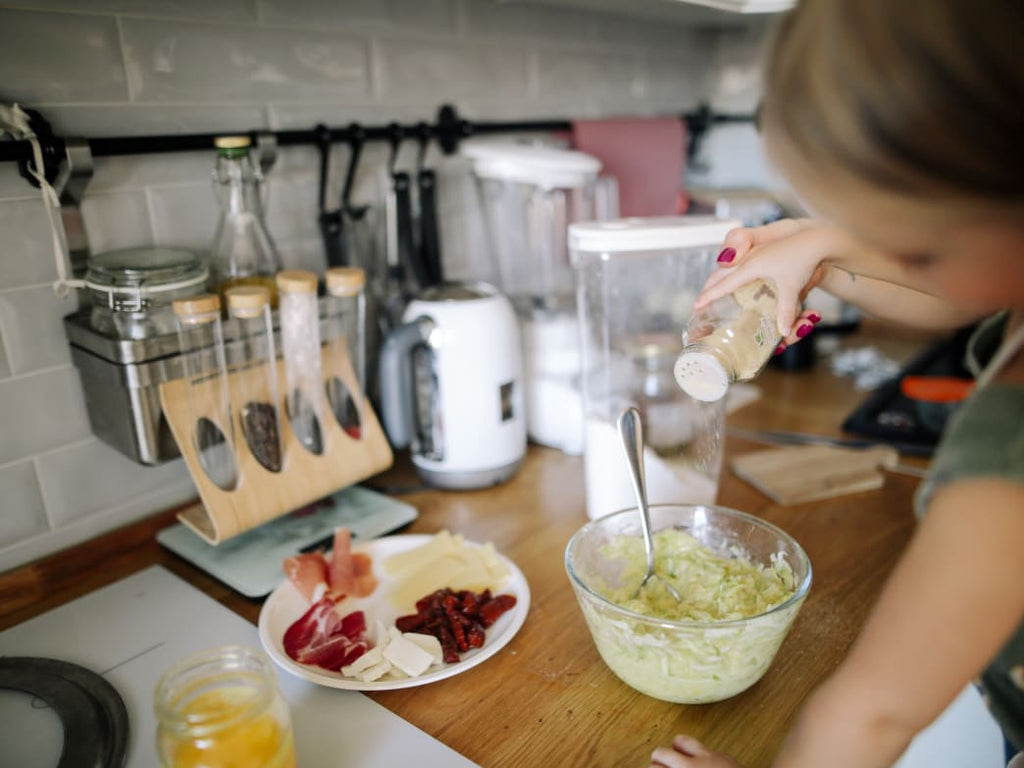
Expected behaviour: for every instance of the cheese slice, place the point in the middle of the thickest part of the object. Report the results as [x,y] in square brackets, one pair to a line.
[407,655]
[428,643]
[440,545]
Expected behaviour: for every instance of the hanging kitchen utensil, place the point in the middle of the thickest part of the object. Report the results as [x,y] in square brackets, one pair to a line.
[426,187]
[331,227]
[401,184]
[336,225]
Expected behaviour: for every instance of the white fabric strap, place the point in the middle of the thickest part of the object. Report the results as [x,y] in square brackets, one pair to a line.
[1010,346]
[14,121]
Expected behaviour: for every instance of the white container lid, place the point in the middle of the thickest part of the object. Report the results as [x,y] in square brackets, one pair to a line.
[656,233]
[701,376]
[545,167]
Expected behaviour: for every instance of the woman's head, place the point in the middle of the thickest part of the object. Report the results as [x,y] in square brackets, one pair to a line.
[904,121]
[917,98]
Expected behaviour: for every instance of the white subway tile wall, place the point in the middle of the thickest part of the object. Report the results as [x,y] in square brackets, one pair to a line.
[135,67]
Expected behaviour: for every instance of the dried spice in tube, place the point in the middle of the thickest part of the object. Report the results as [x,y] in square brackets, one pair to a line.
[253,363]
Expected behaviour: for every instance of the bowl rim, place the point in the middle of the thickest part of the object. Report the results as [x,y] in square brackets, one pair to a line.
[799,594]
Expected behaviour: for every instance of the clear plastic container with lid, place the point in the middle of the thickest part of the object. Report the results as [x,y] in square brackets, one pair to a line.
[303,365]
[222,707]
[730,340]
[345,347]
[131,290]
[201,339]
[637,281]
[242,252]
[252,361]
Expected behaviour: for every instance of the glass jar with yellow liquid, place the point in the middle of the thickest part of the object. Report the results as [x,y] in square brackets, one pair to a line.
[220,709]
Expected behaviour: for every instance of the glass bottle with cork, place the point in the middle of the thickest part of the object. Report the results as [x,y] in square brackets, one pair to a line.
[344,338]
[300,348]
[222,707]
[242,252]
[201,341]
[730,340]
[252,360]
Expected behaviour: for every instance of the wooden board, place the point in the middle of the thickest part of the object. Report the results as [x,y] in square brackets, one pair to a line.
[796,474]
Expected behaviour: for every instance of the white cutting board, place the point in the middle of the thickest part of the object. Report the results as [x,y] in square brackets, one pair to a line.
[133,630]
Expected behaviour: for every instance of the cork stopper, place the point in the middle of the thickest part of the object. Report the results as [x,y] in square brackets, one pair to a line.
[232,142]
[296,281]
[345,281]
[198,309]
[247,300]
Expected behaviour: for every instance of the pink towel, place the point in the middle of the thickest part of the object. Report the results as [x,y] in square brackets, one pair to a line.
[646,156]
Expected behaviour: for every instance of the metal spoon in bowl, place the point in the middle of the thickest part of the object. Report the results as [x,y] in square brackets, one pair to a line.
[632,433]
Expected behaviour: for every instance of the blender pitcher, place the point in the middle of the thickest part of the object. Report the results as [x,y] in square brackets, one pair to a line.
[529,195]
[638,279]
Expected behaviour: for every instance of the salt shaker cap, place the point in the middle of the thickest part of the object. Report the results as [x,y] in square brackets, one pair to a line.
[702,376]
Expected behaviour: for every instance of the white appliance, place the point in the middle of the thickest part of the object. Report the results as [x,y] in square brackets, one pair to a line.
[528,196]
[451,380]
[133,630]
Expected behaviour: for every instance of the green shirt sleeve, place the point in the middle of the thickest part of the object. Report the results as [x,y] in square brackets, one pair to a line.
[984,439]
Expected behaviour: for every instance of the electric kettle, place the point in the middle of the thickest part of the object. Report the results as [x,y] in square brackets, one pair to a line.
[451,381]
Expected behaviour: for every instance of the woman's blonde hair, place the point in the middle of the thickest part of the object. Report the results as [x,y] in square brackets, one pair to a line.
[918,97]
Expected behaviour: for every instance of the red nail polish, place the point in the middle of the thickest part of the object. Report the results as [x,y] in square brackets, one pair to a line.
[814,317]
[780,349]
[803,330]
[727,255]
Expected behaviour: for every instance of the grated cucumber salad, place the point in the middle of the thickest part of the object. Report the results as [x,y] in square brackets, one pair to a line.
[692,664]
[713,587]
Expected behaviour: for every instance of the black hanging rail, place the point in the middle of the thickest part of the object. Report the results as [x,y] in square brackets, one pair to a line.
[447,131]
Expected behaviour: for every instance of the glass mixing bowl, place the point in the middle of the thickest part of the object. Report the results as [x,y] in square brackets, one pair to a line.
[689,662]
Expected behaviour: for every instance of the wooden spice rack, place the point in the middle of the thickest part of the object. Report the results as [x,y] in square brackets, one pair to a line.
[261,495]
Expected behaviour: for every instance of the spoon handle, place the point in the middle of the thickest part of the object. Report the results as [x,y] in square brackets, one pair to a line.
[632,433]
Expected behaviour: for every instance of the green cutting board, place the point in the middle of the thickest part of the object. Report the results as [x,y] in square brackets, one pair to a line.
[250,563]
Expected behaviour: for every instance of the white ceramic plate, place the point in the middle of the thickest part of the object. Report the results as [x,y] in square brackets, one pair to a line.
[286,604]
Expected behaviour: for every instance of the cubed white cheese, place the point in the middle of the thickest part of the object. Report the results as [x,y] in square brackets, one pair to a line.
[428,643]
[408,656]
[375,672]
[367,660]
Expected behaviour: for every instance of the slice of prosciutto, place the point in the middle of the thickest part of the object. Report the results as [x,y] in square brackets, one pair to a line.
[349,573]
[308,572]
[324,638]
[343,573]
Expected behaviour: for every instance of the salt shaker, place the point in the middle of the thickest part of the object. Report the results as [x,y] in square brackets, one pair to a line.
[201,339]
[344,334]
[253,362]
[300,347]
[730,340]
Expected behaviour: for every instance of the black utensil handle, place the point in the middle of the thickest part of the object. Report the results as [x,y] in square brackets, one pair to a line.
[430,243]
[332,232]
[407,255]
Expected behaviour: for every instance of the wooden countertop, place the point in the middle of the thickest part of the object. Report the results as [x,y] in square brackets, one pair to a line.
[548,699]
